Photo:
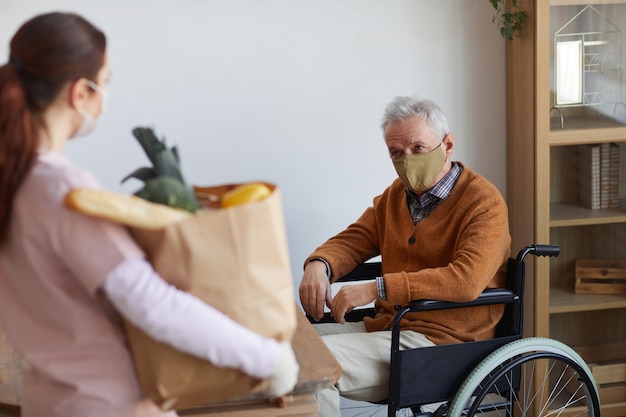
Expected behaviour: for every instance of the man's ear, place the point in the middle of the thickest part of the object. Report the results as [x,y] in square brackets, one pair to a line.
[79,92]
[448,144]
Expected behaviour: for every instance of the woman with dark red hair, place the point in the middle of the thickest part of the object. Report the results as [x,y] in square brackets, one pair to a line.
[67,278]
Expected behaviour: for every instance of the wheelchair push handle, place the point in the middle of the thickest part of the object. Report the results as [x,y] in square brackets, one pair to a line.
[539,250]
[547,250]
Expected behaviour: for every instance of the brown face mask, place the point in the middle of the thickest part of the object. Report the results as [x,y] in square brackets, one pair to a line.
[419,171]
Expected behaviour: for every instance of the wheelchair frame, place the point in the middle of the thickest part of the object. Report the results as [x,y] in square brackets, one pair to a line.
[464,376]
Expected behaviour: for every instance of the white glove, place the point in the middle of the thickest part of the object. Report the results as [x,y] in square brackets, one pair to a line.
[285,375]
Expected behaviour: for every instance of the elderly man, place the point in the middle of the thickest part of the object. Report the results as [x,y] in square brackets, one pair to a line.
[442,232]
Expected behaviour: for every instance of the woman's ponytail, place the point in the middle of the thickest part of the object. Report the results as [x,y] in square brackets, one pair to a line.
[18,141]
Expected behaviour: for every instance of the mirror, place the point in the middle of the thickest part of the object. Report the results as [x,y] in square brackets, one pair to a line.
[569,73]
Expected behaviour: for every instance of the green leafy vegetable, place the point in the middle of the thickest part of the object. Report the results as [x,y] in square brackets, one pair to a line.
[163,181]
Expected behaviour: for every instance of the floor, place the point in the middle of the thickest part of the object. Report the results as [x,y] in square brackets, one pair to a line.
[351,408]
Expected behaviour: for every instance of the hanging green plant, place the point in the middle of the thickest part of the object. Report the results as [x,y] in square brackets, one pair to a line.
[509,18]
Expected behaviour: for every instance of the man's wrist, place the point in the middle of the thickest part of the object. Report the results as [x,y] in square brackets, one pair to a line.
[328,272]
[380,288]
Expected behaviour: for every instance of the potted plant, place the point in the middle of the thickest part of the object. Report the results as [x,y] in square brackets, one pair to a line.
[509,17]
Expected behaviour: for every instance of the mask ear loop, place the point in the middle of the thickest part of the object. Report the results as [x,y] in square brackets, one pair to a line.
[445,152]
[104,93]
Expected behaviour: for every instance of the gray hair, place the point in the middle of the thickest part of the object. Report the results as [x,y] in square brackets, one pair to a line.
[403,107]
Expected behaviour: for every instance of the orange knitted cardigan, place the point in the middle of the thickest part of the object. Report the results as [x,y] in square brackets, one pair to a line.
[460,249]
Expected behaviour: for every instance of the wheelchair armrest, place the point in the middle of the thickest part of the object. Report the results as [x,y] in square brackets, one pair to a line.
[352,316]
[488,297]
[363,272]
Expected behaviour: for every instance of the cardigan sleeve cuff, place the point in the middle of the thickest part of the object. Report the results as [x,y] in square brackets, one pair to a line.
[328,272]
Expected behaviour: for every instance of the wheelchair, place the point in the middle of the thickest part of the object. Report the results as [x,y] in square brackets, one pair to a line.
[505,376]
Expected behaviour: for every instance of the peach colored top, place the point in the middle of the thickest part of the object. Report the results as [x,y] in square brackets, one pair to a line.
[51,307]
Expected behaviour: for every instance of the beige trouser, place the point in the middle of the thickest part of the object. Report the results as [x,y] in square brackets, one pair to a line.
[364,360]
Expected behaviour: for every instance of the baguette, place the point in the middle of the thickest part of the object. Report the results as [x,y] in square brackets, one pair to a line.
[125,209]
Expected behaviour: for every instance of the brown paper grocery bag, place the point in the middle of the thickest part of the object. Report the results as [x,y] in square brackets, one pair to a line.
[235,259]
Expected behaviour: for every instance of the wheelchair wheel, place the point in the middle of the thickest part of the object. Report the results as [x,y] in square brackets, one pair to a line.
[529,377]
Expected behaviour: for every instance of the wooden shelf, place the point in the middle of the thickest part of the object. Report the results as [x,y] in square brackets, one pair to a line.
[563,215]
[613,409]
[610,352]
[590,134]
[566,301]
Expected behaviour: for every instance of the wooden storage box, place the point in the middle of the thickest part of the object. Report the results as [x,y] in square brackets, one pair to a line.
[608,366]
[600,276]
[611,381]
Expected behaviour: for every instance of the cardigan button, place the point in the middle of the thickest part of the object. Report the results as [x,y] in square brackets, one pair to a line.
[411,240]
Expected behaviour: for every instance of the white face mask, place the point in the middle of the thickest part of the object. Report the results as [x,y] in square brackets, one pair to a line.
[89,122]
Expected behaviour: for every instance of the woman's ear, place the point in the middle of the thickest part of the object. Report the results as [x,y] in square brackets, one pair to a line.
[79,92]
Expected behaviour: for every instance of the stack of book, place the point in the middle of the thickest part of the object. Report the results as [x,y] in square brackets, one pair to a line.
[598,175]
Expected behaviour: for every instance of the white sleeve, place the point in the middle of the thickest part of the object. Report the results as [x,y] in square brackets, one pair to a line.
[186,323]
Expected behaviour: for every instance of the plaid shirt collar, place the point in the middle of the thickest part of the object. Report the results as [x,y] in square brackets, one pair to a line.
[443,188]
[421,207]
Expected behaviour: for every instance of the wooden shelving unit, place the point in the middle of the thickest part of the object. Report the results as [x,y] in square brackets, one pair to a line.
[565,215]
[564,300]
[542,193]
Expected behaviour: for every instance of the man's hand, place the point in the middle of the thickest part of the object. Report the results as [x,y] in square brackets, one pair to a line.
[351,296]
[315,289]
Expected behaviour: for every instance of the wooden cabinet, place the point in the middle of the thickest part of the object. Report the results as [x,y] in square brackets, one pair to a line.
[566,94]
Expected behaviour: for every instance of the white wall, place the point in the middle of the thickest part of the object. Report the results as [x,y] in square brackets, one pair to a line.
[288,91]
